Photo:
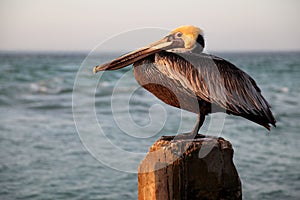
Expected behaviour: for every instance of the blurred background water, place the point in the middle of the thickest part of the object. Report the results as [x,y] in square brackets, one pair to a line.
[42,156]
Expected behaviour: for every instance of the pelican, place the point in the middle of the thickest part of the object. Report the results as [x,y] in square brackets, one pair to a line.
[176,71]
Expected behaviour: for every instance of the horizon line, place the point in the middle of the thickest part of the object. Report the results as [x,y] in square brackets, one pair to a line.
[122,51]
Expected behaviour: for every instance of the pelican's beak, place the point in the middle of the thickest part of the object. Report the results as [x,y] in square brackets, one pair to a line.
[127,59]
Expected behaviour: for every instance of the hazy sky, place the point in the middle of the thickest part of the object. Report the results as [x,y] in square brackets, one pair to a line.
[80,25]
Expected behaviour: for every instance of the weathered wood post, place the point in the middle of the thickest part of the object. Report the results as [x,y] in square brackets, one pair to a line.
[200,168]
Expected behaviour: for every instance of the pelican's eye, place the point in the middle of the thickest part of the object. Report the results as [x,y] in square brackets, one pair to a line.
[178,35]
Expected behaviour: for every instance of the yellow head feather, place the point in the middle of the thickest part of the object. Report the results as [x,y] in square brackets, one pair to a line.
[189,34]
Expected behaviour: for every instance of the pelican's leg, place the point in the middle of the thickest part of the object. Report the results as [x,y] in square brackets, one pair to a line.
[194,132]
[201,118]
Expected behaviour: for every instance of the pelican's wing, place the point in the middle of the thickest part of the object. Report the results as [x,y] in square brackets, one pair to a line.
[217,81]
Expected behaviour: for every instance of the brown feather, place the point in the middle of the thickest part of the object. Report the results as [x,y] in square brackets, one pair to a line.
[195,82]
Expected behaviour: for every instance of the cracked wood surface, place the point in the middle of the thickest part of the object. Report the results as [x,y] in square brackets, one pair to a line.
[200,168]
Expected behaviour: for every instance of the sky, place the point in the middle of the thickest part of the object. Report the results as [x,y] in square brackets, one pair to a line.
[80,25]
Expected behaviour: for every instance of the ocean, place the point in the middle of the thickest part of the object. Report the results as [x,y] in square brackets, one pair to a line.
[66,133]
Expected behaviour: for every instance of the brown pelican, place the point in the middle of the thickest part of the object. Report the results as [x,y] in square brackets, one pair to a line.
[177,72]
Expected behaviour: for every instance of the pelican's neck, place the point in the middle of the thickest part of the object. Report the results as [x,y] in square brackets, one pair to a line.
[196,49]
[180,50]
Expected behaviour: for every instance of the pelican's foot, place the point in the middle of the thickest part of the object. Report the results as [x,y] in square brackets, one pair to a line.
[183,136]
[190,135]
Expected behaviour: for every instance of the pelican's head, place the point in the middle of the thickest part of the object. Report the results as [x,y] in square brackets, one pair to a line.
[182,39]
[190,36]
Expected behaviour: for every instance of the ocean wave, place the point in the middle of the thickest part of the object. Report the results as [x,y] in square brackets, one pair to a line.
[51,86]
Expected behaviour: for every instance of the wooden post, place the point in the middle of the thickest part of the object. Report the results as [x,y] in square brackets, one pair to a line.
[200,168]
